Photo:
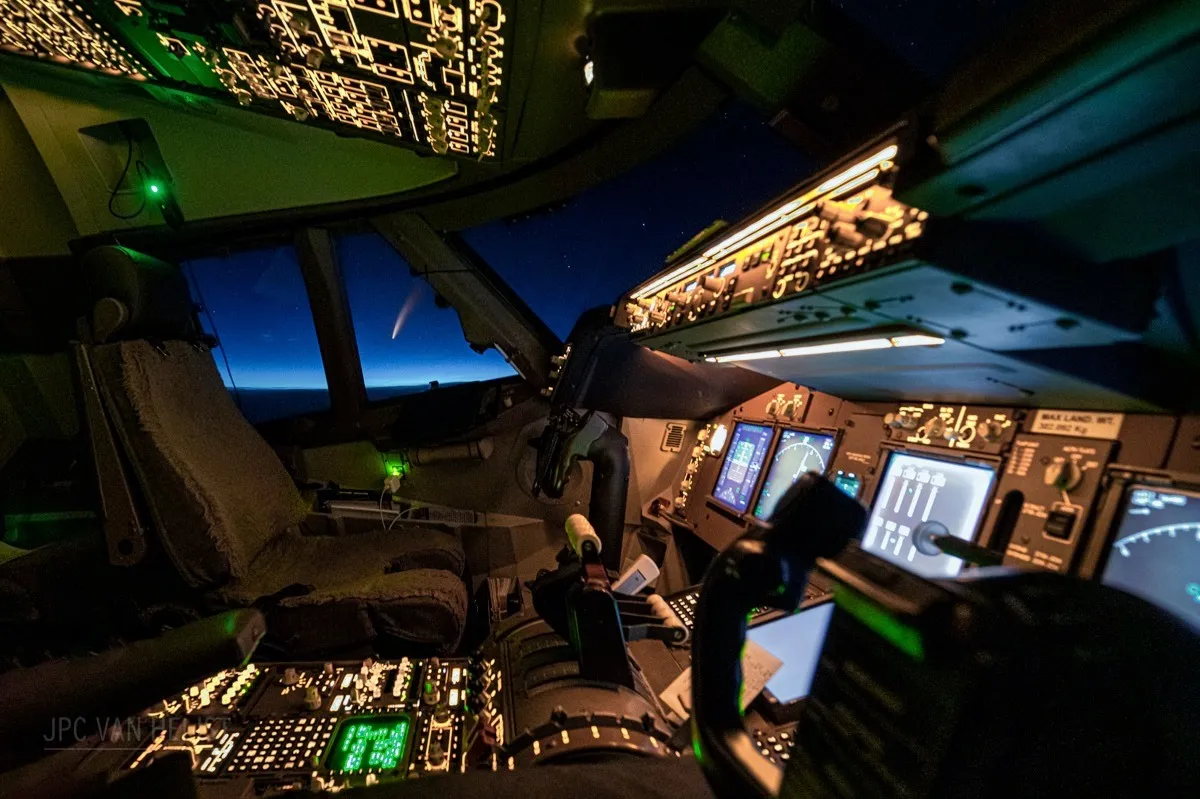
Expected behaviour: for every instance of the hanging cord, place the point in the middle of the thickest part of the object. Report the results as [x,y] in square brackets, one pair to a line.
[237,397]
[112,196]
[402,514]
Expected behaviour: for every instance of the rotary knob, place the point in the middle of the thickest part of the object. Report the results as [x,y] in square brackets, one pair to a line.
[1063,475]
[935,427]
[990,431]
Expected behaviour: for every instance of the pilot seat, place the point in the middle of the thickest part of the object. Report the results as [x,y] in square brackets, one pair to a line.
[222,507]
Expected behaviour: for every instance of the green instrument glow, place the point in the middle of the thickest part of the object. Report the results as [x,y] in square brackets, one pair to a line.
[369,744]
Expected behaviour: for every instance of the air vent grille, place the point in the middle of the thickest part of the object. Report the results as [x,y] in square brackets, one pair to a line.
[673,437]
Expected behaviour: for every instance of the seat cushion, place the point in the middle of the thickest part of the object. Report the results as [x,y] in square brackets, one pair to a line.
[421,606]
[322,560]
[216,491]
[400,582]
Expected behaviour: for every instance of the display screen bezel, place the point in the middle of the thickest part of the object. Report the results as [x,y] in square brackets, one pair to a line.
[336,744]
[1122,512]
[776,710]
[885,462]
[752,508]
[754,490]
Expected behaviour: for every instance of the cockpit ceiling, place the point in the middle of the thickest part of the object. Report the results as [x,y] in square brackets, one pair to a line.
[430,75]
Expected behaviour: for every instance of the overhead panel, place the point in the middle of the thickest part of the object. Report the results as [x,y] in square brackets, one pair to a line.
[425,74]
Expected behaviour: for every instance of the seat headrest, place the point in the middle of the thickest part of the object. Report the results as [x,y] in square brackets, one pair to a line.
[135,296]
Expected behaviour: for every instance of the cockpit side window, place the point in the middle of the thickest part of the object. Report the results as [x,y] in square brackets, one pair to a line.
[407,338]
[254,302]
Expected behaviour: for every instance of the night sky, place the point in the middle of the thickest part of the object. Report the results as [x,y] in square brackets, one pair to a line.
[561,262]
[619,233]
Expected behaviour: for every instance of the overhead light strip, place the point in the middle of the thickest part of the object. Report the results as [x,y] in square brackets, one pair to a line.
[671,277]
[862,180]
[838,346]
[844,345]
[861,173]
[834,183]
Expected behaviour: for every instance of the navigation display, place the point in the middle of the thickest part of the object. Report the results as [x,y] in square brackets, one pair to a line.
[917,490]
[1156,550]
[743,462]
[797,641]
[798,452]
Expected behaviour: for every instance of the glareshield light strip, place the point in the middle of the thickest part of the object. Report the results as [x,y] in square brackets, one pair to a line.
[861,173]
[840,345]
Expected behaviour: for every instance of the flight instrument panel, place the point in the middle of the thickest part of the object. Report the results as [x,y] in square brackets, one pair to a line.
[1155,548]
[1107,496]
[425,74]
[286,726]
[796,452]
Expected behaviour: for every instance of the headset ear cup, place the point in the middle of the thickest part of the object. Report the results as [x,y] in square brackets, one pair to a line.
[109,316]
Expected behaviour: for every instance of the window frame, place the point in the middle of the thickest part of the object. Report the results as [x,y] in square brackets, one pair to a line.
[447,263]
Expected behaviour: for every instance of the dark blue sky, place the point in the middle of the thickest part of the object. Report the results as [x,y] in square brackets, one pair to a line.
[261,315]
[933,36]
[257,306]
[563,261]
[619,233]
[421,344]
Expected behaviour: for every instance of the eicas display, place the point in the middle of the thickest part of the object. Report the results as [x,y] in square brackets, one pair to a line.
[424,73]
[917,490]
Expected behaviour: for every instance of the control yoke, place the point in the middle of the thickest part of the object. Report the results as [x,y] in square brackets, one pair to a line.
[568,439]
[768,566]
[926,688]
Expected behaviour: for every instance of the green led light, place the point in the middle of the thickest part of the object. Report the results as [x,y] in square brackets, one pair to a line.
[395,467]
[742,683]
[903,637]
[155,188]
[48,516]
[369,744]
